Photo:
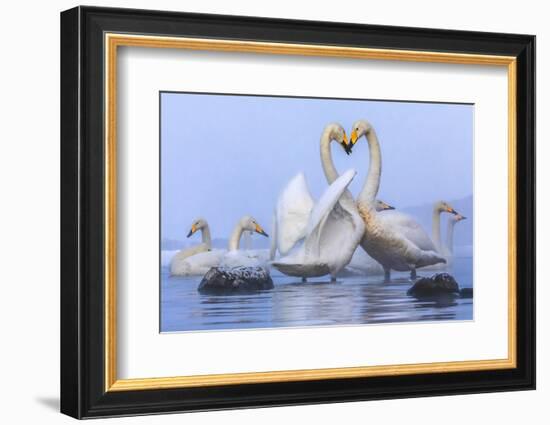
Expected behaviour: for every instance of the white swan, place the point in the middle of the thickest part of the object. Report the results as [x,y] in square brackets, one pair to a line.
[181,266]
[315,239]
[236,257]
[448,248]
[391,248]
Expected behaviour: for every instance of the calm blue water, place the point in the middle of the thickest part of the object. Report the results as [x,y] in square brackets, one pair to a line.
[351,300]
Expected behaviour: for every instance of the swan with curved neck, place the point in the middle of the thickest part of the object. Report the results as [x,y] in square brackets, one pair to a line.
[318,238]
[200,224]
[439,207]
[391,248]
[449,248]
[236,257]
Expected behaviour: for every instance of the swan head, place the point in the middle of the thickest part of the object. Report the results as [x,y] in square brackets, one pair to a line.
[199,223]
[443,206]
[337,132]
[360,128]
[382,206]
[249,223]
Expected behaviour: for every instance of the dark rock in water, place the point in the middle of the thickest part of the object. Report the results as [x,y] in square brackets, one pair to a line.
[222,280]
[437,285]
[467,292]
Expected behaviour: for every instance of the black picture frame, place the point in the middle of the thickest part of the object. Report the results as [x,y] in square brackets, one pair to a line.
[83,392]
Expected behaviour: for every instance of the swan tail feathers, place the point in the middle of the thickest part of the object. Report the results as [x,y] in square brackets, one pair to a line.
[431,258]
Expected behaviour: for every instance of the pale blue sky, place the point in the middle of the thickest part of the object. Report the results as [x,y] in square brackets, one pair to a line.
[226,156]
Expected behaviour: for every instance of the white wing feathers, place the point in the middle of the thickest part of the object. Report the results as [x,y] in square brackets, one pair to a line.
[331,232]
[326,213]
[292,213]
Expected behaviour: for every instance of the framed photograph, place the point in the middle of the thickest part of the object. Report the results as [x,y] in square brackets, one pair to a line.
[261,212]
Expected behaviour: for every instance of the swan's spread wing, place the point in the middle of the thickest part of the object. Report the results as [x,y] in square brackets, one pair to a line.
[335,228]
[292,213]
[408,227]
[328,200]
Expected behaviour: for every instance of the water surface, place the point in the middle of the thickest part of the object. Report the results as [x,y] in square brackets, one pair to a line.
[319,302]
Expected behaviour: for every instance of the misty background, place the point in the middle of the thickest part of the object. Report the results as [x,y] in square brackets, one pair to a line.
[224,156]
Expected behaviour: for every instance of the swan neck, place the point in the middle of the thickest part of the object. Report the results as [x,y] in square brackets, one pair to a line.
[235,238]
[372,182]
[206,238]
[450,235]
[326,158]
[436,228]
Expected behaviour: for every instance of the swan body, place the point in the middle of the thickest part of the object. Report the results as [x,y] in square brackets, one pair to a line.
[392,248]
[332,232]
[198,264]
[362,264]
[412,229]
[409,227]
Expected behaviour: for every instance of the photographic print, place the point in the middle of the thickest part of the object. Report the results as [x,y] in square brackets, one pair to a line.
[301,211]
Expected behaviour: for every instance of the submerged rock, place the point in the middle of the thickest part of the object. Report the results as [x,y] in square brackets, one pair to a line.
[224,280]
[437,285]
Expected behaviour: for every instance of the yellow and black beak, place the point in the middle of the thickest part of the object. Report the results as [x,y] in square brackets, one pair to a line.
[259,230]
[460,217]
[345,144]
[387,207]
[193,230]
[452,211]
